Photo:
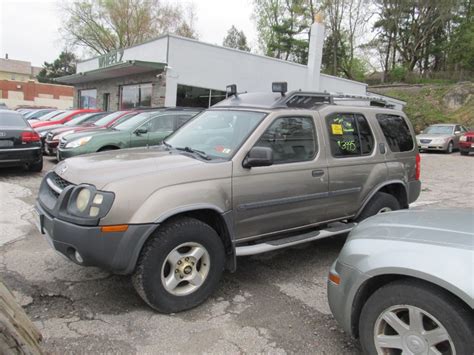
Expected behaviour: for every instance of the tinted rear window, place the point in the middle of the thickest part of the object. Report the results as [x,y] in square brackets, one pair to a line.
[396,132]
[12,119]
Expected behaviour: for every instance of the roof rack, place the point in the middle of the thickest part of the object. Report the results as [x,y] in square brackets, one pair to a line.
[296,99]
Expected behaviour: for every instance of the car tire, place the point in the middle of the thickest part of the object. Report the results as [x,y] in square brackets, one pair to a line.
[450,148]
[159,261]
[36,167]
[439,310]
[464,152]
[381,202]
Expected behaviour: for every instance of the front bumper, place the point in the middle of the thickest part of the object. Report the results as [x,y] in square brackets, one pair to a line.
[115,251]
[466,146]
[20,156]
[433,146]
[341,297]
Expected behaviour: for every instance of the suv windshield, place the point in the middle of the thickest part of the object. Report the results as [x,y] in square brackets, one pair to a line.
[135,121]
[439,130]
[216,133]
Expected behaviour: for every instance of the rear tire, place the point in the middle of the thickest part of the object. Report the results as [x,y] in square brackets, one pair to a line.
[464,152]
[171,257]
[36,167]
[387,314]
[381,202]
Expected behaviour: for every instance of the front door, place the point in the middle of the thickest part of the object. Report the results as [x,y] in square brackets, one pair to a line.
[291,192]
[161,127]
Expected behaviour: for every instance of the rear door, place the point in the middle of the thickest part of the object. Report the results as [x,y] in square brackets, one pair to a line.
[356,166]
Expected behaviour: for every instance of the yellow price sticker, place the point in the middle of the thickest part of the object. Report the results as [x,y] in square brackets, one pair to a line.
[336,129]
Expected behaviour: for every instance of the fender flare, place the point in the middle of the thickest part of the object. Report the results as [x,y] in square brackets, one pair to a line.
[377,189]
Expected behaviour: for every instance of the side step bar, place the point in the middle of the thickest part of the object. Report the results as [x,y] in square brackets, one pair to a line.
[333,229]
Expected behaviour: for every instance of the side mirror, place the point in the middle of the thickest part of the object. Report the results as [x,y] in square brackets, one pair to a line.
[457,132]
[258,156]
[141,130]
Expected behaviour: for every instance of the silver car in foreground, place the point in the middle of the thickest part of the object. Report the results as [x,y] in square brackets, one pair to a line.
[404,283]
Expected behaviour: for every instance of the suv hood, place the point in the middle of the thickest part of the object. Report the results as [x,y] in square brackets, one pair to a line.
[134,165]
[442,227]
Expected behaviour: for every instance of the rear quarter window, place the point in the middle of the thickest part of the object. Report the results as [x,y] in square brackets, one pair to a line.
[396,132]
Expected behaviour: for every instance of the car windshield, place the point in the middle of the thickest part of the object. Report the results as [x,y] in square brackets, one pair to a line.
[80,119]
[108,118]
[48,116]
[439,130]
[216,133]
[12,119]
[134,121]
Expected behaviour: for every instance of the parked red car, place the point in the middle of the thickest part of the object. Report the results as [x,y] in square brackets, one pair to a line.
[62,118]
[53,137]
[466,143]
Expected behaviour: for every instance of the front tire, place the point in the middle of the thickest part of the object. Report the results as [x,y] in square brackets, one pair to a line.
[464,152]
[180,266]
[381,202]
[415,317]
[450,148]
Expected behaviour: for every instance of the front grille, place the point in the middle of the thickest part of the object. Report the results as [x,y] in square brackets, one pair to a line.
[58,182]
[425,141]
[470,139]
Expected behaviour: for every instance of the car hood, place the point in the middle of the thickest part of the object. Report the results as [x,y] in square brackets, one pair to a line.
[441,227]
[92,132]
[433,136]
[134,165]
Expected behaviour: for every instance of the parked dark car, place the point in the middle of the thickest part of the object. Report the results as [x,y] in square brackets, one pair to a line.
[19,143]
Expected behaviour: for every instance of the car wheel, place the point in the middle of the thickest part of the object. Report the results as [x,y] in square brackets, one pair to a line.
[407,317]
[180,266]
[450,148]
[382,202]
[464,152]
[36,167]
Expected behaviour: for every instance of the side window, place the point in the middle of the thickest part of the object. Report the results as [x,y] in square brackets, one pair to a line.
[396,132]
[349,135]
[292,139]
[162,124]
[182,119]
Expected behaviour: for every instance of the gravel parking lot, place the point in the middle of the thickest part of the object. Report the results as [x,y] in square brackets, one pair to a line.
[275,302]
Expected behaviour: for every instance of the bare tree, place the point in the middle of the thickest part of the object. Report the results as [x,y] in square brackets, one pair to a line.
[103,25]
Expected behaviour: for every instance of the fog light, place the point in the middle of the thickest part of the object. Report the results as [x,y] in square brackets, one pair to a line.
[78,257]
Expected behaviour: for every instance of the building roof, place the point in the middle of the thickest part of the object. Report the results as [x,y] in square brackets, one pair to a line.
[15,66]
[128,67]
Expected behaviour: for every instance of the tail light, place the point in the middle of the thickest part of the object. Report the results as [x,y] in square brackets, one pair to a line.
[418,167]
[30,137]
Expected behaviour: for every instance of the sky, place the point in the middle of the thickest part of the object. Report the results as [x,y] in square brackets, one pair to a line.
[29,28]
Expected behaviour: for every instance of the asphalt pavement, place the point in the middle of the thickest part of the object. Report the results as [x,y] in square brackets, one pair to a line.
[274,303]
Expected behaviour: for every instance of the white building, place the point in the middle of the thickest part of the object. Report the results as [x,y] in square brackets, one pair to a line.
[176,71]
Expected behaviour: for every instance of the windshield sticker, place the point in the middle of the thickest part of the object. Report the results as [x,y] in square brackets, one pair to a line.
[336,129]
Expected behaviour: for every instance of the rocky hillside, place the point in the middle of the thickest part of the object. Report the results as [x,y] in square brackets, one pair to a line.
[428,104]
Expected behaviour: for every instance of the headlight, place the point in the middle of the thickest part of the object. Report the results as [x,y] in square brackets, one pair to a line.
[85,205]
[83,198]
[463,139]
[78,142]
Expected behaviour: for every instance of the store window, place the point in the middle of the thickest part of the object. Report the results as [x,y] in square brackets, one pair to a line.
[133,96]
[88,98]
[193,96]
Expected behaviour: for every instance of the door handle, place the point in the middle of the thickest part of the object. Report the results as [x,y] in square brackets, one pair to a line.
[317,173]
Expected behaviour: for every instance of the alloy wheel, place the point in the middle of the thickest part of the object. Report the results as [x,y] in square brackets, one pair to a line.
[409,330]
[185,269]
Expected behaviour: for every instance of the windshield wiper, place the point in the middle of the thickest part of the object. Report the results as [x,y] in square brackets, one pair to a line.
[167,145]
[194,151]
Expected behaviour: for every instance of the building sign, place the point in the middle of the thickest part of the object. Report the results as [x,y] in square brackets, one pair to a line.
[111,58]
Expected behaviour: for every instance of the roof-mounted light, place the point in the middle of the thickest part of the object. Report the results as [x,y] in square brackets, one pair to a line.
[281,87]
[231,90]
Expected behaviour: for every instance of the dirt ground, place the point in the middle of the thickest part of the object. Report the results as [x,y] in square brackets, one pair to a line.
[274,303]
